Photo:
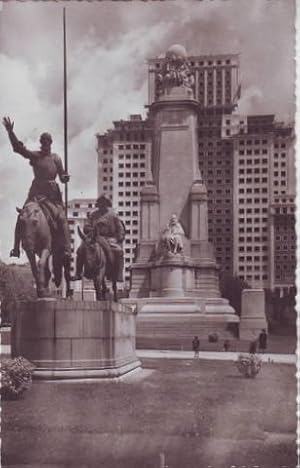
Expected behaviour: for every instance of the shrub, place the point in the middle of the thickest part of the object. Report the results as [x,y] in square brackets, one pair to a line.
[16,377]
[16,284]
[213,337]
[248,365]
[231,288]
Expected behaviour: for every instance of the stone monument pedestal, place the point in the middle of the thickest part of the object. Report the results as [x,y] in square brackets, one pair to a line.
[75,339]
[177,297]
[175,277]
[166,321]
[253,317]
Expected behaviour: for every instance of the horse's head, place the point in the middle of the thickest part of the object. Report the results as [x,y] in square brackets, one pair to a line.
[30,214]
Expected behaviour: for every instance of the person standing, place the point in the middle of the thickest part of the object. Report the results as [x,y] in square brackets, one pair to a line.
[196,346]
[226,345]
[263,340]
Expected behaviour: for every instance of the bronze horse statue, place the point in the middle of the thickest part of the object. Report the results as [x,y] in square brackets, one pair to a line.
[96,267]
[37,240]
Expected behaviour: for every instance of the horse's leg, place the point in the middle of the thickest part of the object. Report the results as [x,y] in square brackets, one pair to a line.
[104,289]
[114,288]
[43,272]
[47,272]
[67,275]
[34,270]
[97,286]
[56,268]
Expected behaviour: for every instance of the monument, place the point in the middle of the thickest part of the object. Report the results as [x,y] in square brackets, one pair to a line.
[66,339]
[75,339]
[253,316]
[175,278]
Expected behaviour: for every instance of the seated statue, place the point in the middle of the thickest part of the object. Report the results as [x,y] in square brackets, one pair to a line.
[172,236]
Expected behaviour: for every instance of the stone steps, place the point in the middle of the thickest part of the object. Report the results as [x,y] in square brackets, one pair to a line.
[177,333]
[185,344]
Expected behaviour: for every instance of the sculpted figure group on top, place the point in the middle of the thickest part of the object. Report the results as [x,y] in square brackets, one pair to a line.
[175,70]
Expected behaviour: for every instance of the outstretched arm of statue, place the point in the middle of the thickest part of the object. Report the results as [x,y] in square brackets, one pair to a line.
[17,145]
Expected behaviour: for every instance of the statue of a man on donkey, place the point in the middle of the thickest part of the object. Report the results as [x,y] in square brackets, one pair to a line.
[101,254]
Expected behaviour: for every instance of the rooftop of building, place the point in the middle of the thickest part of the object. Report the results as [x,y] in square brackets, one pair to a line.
[82,200]
[199,57]
[135,122]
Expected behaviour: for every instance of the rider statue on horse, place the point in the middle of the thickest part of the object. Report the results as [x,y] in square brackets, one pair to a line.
[104,227]
[46,167]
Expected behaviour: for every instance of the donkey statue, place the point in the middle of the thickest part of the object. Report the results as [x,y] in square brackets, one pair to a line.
[95,266]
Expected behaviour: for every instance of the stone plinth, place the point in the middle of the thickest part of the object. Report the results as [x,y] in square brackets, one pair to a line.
[75,339]
[217,308]
[175,276]
[173,319]
[253,317]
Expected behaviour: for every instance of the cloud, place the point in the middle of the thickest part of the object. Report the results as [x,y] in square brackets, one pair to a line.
[251,99]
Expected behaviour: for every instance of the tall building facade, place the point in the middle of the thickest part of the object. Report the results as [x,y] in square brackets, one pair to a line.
[282,244]
[124,166]
[216,166]
[246,162]
[256,184]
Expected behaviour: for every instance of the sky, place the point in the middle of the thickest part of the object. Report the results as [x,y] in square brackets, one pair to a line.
[108,44]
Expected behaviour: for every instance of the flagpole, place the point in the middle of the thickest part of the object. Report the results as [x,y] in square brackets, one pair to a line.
[65,109]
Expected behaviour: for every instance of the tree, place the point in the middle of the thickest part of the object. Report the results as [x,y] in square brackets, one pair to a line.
[281,308]
[16,284]
[231,288]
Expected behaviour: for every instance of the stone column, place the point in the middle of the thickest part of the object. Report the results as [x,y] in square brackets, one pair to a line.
[149,213]
[199,220]
[175,157]
[149,222]
[253,317]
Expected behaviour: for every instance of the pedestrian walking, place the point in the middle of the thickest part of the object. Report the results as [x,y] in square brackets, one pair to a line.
[196,346]
[263,340]
[226,345]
